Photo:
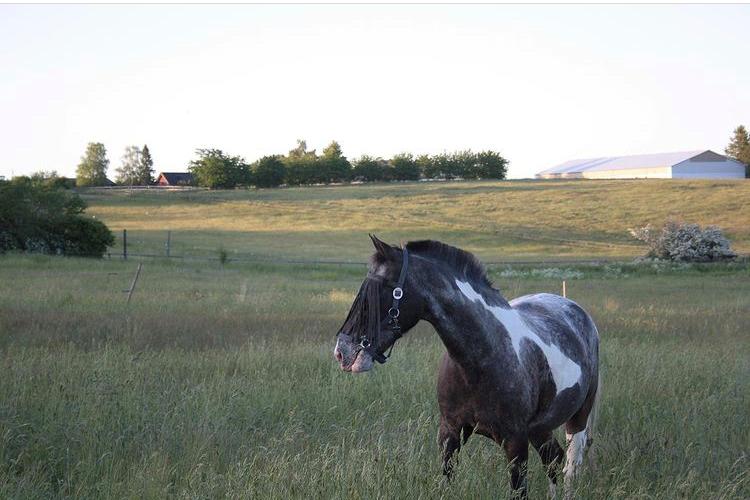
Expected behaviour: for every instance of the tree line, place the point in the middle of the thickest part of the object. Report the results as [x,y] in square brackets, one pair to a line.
[214,168]
[300,166]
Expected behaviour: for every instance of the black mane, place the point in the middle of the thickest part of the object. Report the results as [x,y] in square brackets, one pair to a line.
[463,262]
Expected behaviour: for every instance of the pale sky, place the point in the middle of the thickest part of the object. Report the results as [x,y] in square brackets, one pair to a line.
[540,83]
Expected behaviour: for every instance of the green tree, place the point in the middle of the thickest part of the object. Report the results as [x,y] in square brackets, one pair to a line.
[369,169]
[145,172]
[216,170]
[92,171]
[49,178]
[334,165]
[269,171]
[427,166]
[462,165]
[739,147]
[490,165]
[128,171]
[303,166]
[40,217]
[405,167]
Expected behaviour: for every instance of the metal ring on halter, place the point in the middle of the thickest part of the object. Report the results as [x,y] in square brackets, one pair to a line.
[364,343]
[393,312]
[398,293]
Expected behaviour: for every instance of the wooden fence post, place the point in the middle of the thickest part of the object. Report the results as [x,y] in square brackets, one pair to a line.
[135,280]
[169,239]
[565,292]
[124,244]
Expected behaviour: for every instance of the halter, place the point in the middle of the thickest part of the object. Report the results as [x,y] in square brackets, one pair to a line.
[365,344]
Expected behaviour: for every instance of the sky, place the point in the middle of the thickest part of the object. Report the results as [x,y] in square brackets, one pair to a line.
[541,84]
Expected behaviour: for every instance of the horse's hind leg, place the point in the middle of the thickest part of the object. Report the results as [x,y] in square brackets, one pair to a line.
[552,456]
[449,440]
[575,435]
[517,452]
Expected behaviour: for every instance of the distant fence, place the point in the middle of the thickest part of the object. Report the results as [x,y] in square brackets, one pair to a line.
[125,253]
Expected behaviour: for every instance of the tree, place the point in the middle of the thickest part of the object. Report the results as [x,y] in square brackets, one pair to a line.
[739,148]
[370,169]
[405,167]
[334,165]
[40,217]
[214,169]
[303,166]
[427,166]
[490,165]
[128,172]
[145,173]
[269,171]
[49,178]
[462,165]
[92,171]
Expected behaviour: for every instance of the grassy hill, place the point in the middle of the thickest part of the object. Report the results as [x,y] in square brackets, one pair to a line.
[500,221]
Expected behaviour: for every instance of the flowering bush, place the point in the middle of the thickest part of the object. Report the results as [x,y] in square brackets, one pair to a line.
[681,241]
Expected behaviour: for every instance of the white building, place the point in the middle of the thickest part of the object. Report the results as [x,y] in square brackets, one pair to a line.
[703,164]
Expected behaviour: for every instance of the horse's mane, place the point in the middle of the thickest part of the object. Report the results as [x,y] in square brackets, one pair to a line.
[462,262]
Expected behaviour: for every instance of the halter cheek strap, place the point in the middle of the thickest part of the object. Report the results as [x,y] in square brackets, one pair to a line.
[393,313]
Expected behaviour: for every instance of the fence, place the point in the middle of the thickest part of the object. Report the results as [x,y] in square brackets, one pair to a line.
[125,253]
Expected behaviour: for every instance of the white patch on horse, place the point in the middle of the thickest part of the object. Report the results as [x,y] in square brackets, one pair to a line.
[565,372]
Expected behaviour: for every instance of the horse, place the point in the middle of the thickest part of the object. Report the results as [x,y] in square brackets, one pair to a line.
[512,371]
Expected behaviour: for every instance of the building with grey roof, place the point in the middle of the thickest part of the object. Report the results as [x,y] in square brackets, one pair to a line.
[701,164]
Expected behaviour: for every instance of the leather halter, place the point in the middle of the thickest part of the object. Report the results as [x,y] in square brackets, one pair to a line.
[393,313]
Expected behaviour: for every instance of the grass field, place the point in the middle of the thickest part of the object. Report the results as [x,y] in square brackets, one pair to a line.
[218,381]
[499,221]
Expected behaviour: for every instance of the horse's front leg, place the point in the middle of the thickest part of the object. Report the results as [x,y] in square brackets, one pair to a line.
[517,451]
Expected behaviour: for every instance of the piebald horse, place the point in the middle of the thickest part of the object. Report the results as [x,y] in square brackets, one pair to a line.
[513,371]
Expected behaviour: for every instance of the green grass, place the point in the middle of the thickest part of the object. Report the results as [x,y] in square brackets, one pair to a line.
[499,221]
[218,381]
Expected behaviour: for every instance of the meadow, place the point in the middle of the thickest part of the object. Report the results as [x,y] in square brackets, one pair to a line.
[498,221]
[218,380]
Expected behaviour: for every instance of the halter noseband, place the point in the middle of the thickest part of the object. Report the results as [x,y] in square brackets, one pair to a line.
[393,314]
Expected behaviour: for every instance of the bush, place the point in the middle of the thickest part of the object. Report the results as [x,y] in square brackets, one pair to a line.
[42,218]
[684,242]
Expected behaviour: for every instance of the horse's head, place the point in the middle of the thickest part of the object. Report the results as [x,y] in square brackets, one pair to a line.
[385,307]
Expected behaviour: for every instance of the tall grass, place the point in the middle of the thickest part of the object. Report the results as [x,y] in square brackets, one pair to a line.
[219,381]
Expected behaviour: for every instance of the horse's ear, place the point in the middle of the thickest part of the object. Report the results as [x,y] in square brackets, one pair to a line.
[383,249]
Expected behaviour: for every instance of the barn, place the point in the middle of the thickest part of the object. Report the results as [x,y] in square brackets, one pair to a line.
[175,179]
[702,164]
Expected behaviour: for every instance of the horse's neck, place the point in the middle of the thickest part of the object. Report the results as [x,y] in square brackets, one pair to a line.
[465,317]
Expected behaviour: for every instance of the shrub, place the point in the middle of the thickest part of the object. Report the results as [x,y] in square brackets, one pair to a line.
[685,242]
[42,218]
[223,255]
